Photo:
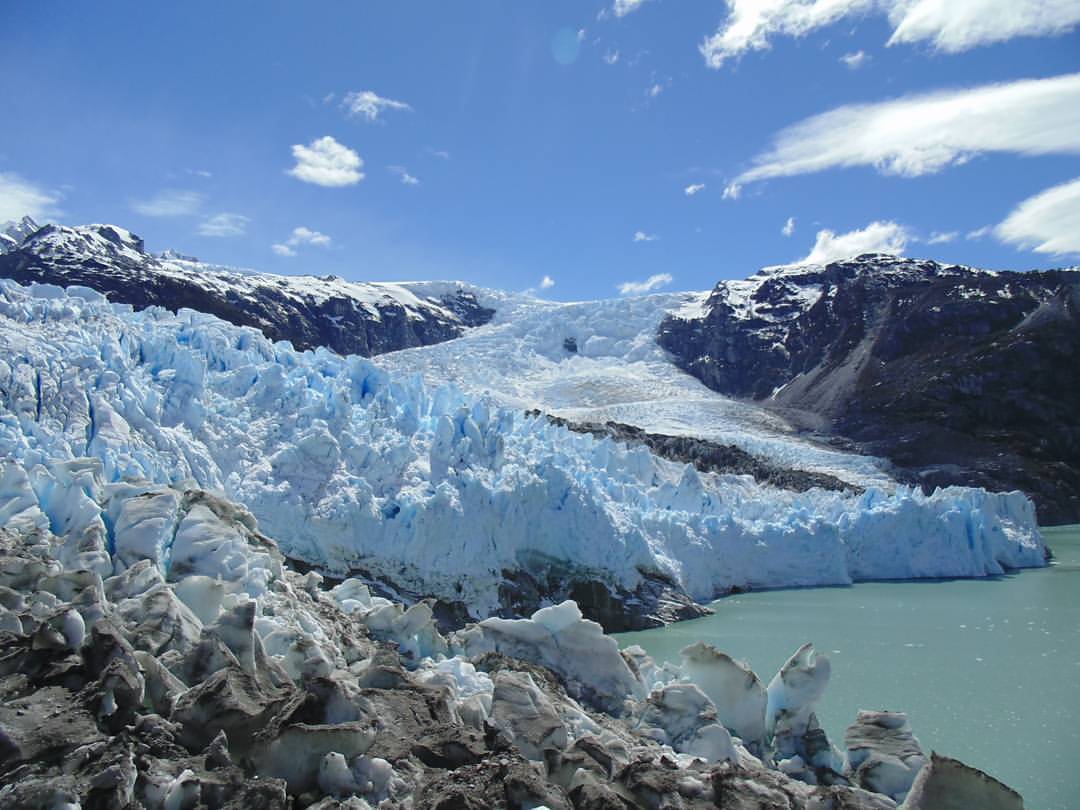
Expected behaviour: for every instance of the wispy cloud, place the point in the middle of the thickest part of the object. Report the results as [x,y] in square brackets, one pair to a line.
[789,227]
[942,237]
[623,7]
[877,237]
[300,236]
[611,56]
[546,283]
[653,282]
[654,89]
[203,173]
[325,162]
[641,236]
[693,189]
[953,26]
[732,191]
[1049,222]
[855,60]
[223,225]
[370,105]
[979,233]
[442,154]
[21,198]
[923,134]
[169,203]
[403,175]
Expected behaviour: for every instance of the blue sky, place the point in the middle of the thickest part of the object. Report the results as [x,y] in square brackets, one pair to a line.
[550,138]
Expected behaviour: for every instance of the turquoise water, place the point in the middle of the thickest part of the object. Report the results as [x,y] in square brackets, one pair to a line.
[987,670]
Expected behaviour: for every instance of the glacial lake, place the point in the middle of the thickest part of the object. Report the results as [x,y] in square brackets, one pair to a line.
[987,670]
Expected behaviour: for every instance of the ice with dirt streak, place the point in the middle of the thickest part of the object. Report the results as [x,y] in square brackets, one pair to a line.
[357,465]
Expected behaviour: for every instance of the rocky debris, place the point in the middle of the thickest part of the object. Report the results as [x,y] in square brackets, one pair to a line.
[958,376]
[349,318]
[234,681]
[882,753]
[708,456]
[947,784]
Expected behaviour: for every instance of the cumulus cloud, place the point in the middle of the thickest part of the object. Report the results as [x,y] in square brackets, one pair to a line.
[653,282]
[300,236]
[404,175]
[789,227]
[223,225]
[641,236]
[169,203]
[877,237]
[693,189]
[953,26]
[370,105]
[20,198]
[325,162]
[546,283]
[623,7]
[923,134]
[856,60]
[1049,222]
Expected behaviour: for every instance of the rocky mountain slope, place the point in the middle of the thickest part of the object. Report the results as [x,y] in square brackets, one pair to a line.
[348,317]
[959,376]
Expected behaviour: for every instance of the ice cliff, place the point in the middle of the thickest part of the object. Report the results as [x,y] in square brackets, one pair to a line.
[426,489]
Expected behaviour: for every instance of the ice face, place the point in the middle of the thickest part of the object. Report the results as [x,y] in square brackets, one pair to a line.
[438,491]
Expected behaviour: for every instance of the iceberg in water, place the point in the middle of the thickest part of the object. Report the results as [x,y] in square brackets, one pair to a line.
[427,489]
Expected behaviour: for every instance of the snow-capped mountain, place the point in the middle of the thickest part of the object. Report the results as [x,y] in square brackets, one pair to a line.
[362,467]
[958,375]
[348,317]
[13,233]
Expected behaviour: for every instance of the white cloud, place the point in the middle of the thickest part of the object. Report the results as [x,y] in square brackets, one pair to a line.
[959,25]
[648,285]
[611,57]
[169,203]
[789,227]
[693,189]
[370,105]
[282,250]
[439,153]
[402,173]
[641,236]
[979,233]
[877,237]
[923,134]
[581,35]
[1049,222]
[624,7]
[546,283]
[856,60]
[203,173]
[654,90]
[325,162]
[732,191]
[952,26]
[20,198]
[942,237]
[223,225]
[306,236]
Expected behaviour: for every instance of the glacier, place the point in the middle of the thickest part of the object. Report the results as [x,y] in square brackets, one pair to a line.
[365,467]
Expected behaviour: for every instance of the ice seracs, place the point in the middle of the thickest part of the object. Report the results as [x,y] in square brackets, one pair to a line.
[429,491]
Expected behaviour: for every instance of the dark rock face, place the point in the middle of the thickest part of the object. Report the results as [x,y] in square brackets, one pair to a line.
[708,456]
[347,317]
[958,376]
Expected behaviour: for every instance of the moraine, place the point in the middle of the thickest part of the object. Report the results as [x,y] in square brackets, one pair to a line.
[986,670]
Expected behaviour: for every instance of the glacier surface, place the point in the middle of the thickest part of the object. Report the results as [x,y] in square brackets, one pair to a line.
[361,466]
